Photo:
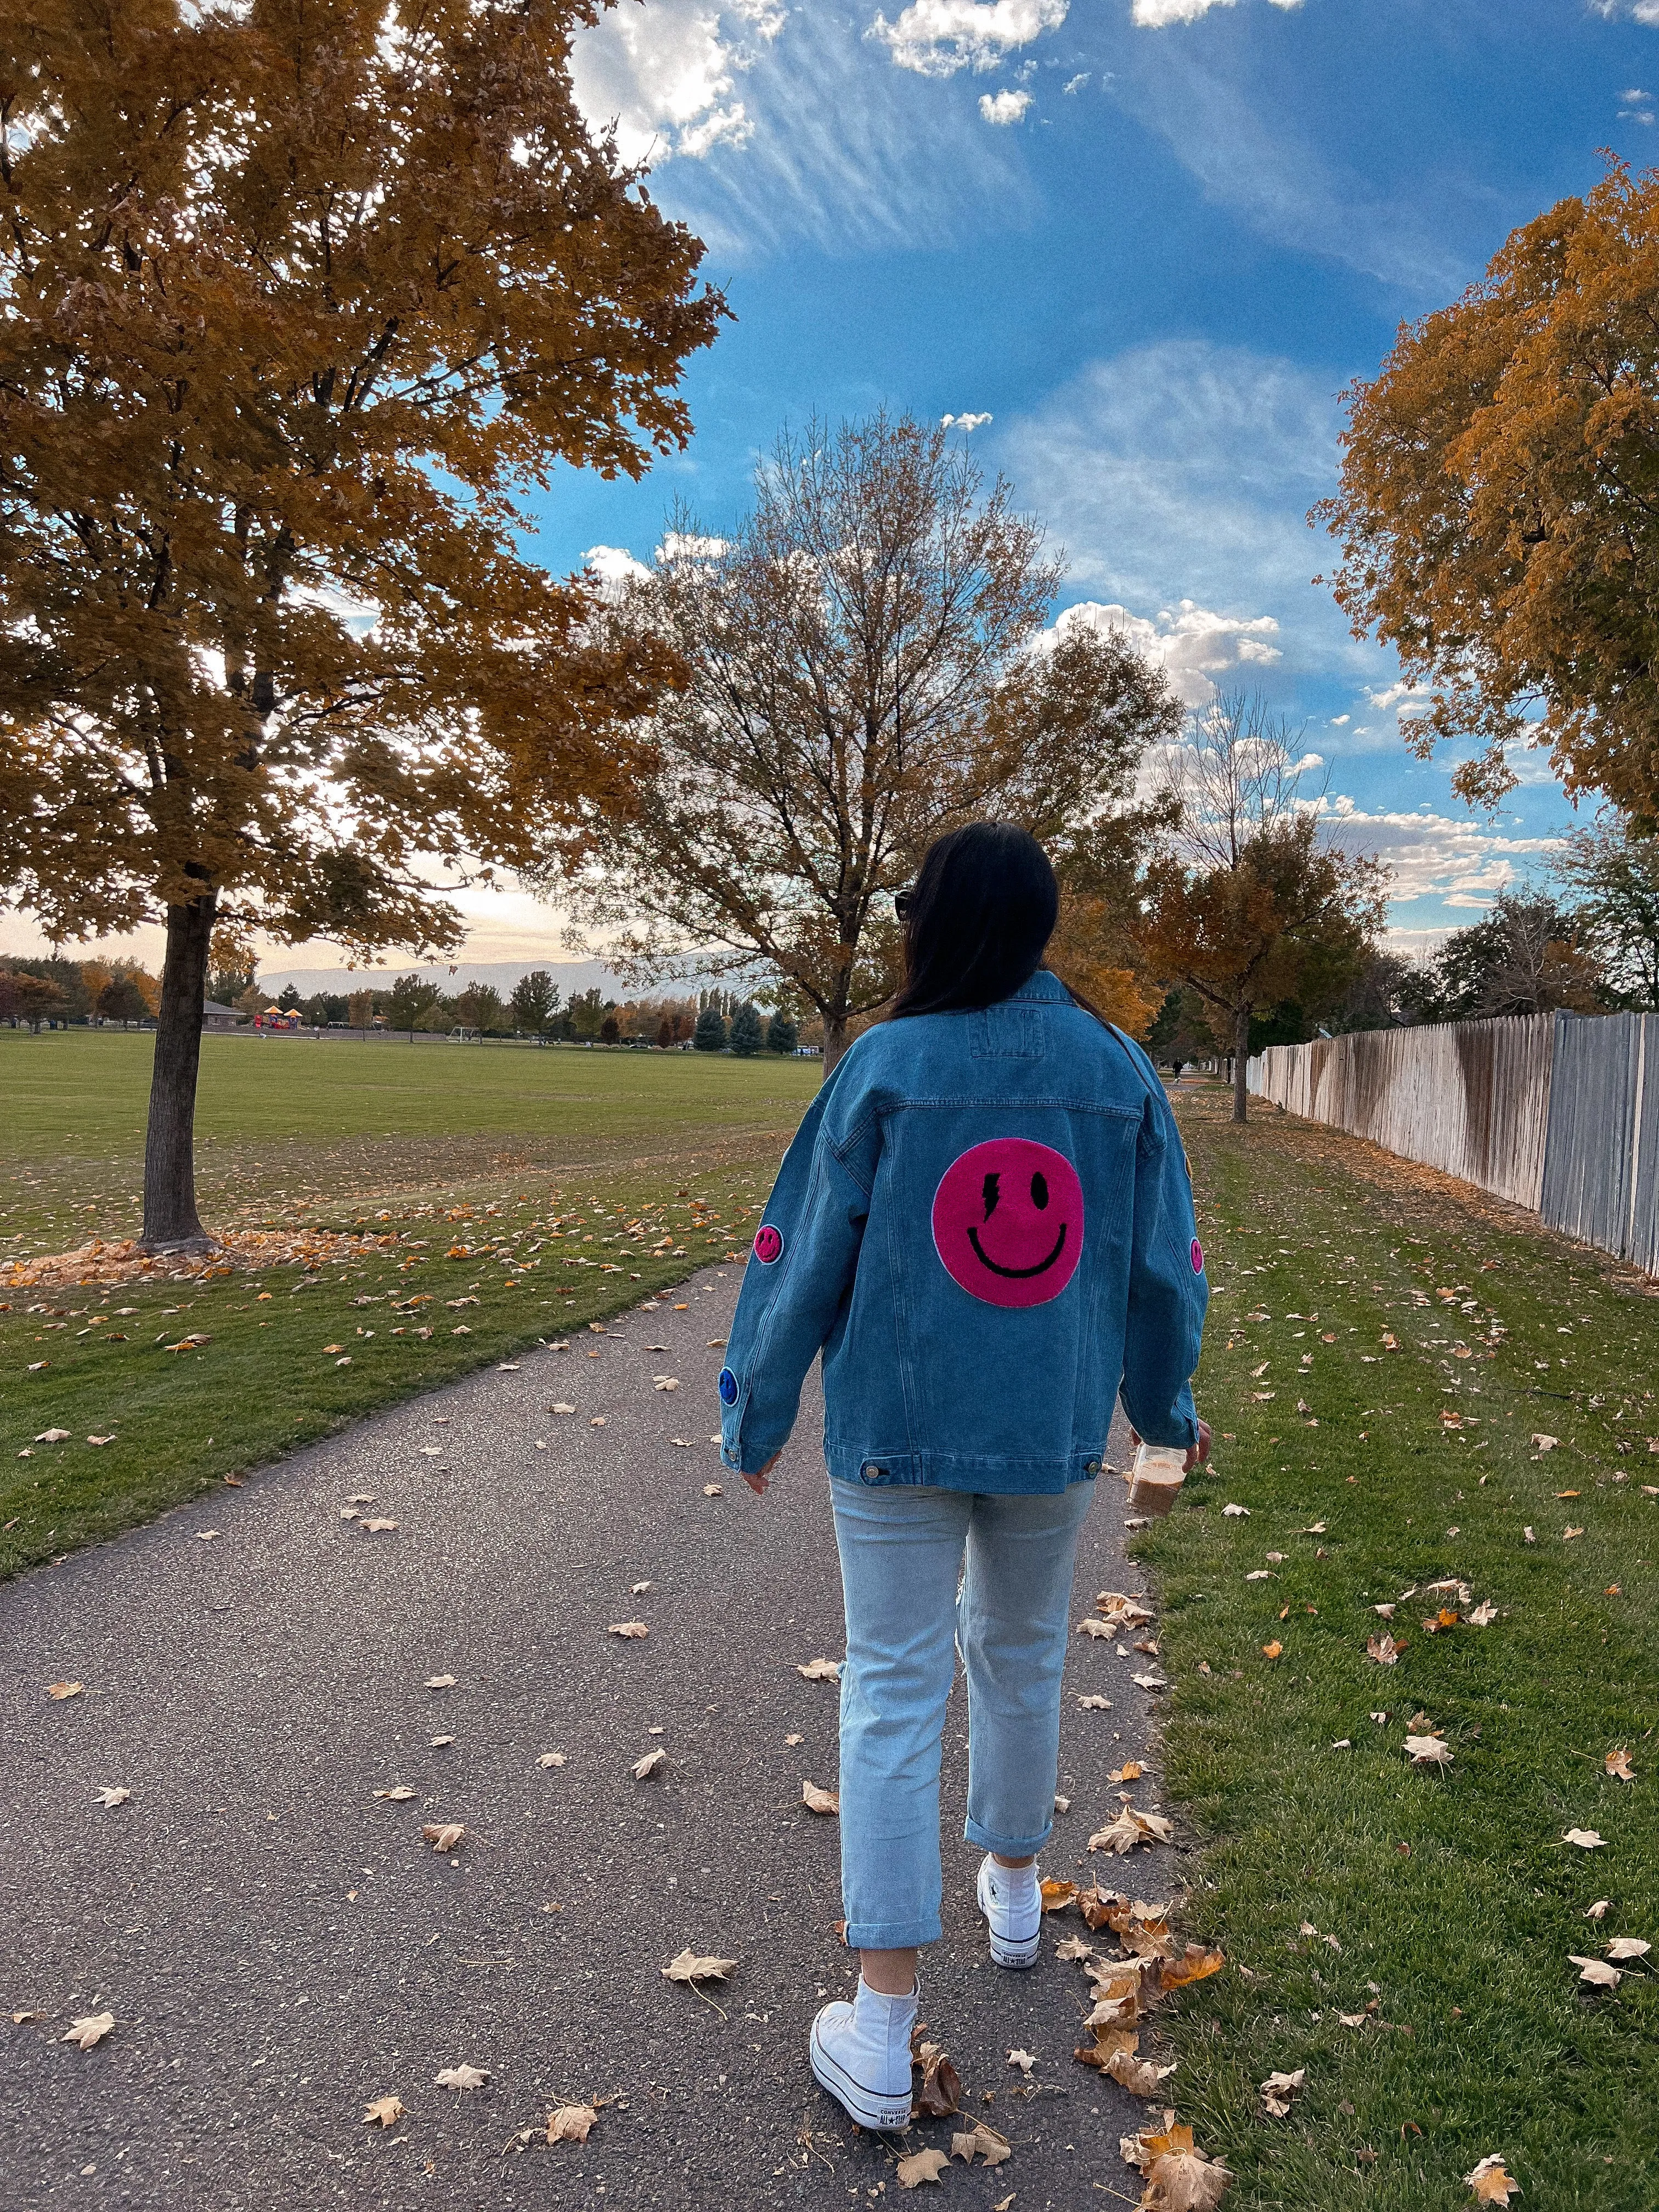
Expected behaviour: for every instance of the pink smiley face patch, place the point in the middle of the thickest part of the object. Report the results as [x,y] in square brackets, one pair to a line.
[768,1244]
[1008,1222]
[1198,1257]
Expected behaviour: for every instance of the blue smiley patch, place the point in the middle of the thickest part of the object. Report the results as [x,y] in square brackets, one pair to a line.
[728,1386]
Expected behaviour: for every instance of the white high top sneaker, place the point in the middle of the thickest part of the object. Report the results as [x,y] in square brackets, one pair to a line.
[861,2055]
[1012,1905]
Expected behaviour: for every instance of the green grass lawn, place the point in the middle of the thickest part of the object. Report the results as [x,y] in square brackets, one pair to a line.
[1435,1906]
[645,1165]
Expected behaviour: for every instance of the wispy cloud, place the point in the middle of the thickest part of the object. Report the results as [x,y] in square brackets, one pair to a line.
[1434,855]
[1153,14]
[841,149]
[937,38]
[1638,11]
[1181,474]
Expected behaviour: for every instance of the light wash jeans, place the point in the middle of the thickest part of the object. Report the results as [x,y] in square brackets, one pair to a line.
[901,1561]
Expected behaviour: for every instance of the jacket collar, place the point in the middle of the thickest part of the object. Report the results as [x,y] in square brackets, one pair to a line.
[1044,985]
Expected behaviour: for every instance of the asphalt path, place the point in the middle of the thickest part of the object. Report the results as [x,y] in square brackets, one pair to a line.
[279,1946]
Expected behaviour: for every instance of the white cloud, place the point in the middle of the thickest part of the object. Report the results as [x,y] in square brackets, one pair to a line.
[1190,643]
[1635,96]
[1406,700]
[614,565]
[1639,11]
[1433,856]
[965,422]
[1004,107]
[663,74]
[1341,721]
[1184,472]
[937,38]
[1153,14]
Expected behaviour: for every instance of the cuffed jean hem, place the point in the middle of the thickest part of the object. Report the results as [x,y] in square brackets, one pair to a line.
[894,1935]
[1012,1847]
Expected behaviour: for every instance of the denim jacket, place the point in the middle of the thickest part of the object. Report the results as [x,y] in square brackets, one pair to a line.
[985,1223]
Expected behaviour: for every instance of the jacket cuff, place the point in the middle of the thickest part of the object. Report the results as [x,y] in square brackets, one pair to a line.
[1177,1429]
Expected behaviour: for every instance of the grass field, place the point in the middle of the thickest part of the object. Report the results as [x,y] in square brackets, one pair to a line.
[1403,1931]
[546,1189]
[1383,1357]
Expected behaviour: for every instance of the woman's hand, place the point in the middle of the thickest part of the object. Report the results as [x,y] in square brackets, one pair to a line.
[1197,1453]
[758,1482]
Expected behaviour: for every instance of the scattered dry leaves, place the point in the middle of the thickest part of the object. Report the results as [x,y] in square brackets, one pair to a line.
[920,2165]
[570,2123]
[383,2112]
[445,1835]
[91,2027]
[1490,2183]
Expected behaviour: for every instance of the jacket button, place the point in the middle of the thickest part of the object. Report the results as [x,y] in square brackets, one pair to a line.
[873,1473]
[1093,1467]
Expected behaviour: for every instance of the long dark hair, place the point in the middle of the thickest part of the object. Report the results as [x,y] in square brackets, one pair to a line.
[977,920]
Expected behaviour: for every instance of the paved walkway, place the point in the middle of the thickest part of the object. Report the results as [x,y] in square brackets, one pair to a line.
[278,1945]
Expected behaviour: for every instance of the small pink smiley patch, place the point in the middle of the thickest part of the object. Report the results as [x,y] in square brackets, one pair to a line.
[1008,1222]
[768,1244]
[1198,1257]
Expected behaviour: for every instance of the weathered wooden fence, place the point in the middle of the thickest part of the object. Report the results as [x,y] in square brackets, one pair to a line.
[1602,1164]
[1469,1097]
[1558,1112]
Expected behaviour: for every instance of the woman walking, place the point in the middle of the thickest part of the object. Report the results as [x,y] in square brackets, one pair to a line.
[985,1224]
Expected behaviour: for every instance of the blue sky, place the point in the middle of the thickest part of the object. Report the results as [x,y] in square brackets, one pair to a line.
[1152,240]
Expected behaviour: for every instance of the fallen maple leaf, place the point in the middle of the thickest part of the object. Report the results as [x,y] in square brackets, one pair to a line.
[1429,1750]
[1543,1442]
[1140,2076]
[400,1795]
[1073,1948]
[690,1968]
[375,1528]
[1596,1971]
[62,1690]
[1055,1896]
[1484,1614]
[982,2142]
[551,1759]
[665,1382]
[920,2165]
[1180,2178]
[91,2028]
[1237,1512]
[1490,2182]
[384,2113]
[1025,2060]
[1384,1649]
[570,2123]
[461,2077]
[107,1797]
[1586,1838]
[1617,1764]
[562,1409]
[1196,1964]
[820,1670]
[1092,1626]
[631,1629]
[1628,1946]
[1132,1826]
[441,1682]
[1130,1771]
[1598,1911]
[1272,1651]
[1277,2090]
[940,2093]
[649,1764]
[1095,1703]
[819,1801]
[445,1835]
[712,1490]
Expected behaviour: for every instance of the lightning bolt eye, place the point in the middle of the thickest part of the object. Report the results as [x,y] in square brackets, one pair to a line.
[991,1193]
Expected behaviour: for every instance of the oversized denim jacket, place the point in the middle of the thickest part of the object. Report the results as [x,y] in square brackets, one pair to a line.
[985,1223]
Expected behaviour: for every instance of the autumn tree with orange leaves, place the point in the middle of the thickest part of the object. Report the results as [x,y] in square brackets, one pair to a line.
[297,304]
[1498,513]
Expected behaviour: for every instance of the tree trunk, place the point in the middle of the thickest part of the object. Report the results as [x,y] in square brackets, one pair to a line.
[1241,1062]
[170,1216]
[835,1042]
